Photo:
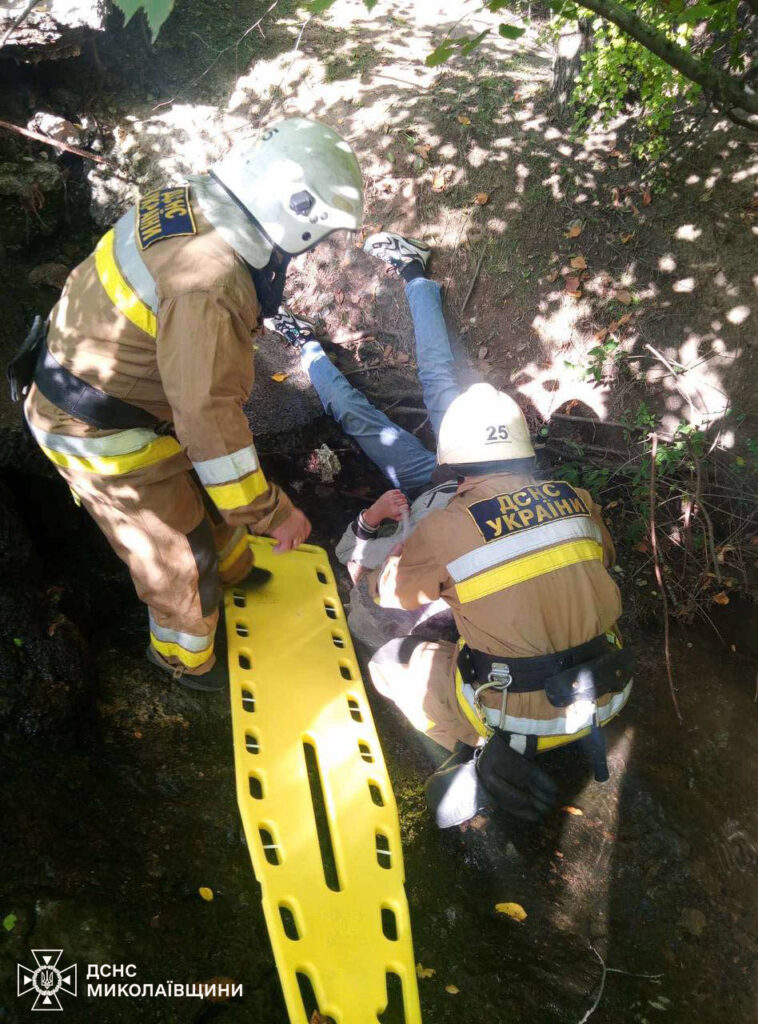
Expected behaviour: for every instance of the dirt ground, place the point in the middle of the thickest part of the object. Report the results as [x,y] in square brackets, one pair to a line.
[109,831]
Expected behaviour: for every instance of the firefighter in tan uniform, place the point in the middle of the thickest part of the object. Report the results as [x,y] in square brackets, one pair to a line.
[139,386]
[522,562]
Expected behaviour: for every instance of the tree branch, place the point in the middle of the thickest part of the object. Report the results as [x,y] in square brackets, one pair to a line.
[727,91]
[741,121]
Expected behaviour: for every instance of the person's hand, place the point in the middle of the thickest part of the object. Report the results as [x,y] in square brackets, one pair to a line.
[295,529]
[356,572]
[391,505]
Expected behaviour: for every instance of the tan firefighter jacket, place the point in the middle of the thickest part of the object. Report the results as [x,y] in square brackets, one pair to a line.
[521,562]
[161,316]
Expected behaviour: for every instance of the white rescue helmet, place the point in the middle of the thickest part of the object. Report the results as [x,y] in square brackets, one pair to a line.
[482,425]
[300,181]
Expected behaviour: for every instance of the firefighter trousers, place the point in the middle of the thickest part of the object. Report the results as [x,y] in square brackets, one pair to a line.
[178,554]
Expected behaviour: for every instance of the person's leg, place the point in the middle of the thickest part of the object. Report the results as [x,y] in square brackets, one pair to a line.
[434,357]
[162,533]
[402,458]
[416,675]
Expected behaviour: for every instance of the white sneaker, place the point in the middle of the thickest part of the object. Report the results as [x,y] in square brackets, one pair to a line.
[397,250]
[294,331]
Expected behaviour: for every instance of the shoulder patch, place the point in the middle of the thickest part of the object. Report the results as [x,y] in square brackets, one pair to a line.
[164,213]
[524,509]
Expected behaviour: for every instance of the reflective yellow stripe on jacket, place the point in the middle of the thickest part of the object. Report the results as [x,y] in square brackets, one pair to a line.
[524,556]
[110,455]
[118,289]
[234,480]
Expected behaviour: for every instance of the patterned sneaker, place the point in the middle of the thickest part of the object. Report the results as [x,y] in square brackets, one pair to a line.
[397,250]
[294,331]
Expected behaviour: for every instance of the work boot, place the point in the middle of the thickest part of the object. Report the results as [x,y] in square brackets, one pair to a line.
[397,250]
[294,331]
[209,682]
[257,577]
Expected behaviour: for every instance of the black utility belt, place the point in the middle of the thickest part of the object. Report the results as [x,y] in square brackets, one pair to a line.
[34,362]
[586,672]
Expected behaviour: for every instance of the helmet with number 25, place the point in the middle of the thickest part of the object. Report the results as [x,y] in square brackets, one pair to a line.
[483,425]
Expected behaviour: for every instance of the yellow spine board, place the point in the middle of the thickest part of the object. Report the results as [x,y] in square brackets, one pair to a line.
[340,921]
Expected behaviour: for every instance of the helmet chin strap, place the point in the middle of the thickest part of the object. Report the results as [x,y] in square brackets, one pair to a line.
[269,281]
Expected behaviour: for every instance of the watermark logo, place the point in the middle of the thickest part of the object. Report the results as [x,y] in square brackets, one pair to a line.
[46,979]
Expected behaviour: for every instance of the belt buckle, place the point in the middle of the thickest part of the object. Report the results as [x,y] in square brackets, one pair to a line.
[500,675]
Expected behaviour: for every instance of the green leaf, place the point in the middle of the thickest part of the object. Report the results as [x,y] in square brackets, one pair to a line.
[700,12]
[511,31]
[471,44]
[441,54]
[370,4]
[497,5]
[156,12]
[9,922]
[319,6]
[18,641]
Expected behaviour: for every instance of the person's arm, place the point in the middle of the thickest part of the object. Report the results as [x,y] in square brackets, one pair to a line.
[412,578]
[362,542]
[609,549]
[205,359]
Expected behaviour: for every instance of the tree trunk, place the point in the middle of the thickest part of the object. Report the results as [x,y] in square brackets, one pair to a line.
[574,40]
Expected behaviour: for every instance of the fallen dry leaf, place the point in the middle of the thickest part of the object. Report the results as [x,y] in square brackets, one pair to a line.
[578,263]
[575,294]
[721,598]
[452,989]
[627,237]
[340,297]
[423,150]
[403,357]
[646,198]
[463,119]
[438,182]
[279,377]
[574,229]
[483,352]
[624,319]
[577,812]
[513,910]
[623,295]
[572,284]
[602,334]
[615,153]
[482,198]
[424,972]
[318,1018]
[206,893]
[552,276]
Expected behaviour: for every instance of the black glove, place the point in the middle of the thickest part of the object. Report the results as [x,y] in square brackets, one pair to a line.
[514,782]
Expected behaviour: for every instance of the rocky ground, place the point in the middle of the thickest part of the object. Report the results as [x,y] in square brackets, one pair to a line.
[118,801]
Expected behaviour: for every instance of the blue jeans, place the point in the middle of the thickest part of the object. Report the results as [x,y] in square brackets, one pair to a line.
[402,458]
